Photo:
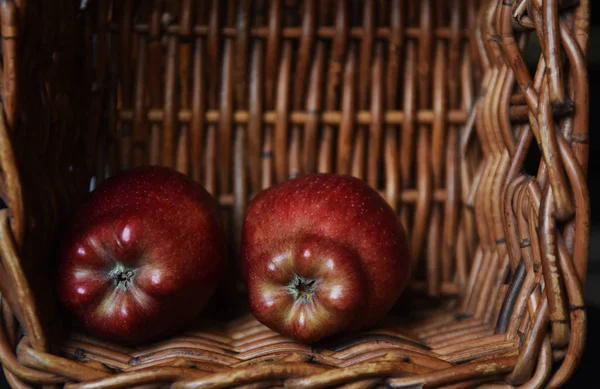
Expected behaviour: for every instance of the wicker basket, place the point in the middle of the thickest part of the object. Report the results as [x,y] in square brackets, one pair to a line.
[431,102]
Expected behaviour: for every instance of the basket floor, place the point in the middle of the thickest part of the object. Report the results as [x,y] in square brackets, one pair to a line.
[439,340]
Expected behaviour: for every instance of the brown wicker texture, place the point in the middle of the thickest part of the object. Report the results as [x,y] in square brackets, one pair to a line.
[431,102]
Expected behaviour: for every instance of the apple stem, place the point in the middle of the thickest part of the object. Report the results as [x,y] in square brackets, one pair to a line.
[122,276]
[302,288]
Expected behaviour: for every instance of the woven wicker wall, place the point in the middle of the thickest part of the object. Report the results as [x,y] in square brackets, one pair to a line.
[241,97]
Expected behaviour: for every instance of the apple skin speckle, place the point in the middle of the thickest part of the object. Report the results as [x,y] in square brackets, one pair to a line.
[358,260]
[142,255]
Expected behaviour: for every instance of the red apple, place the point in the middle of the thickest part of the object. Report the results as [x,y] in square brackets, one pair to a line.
[142,256]
[322,254]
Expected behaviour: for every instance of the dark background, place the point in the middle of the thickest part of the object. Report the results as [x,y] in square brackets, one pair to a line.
[587,373]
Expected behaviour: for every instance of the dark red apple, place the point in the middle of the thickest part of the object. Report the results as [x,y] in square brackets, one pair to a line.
[322,254]
[142,256]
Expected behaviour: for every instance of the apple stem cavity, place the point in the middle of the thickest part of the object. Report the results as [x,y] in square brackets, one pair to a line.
[302,288]
[122,276]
